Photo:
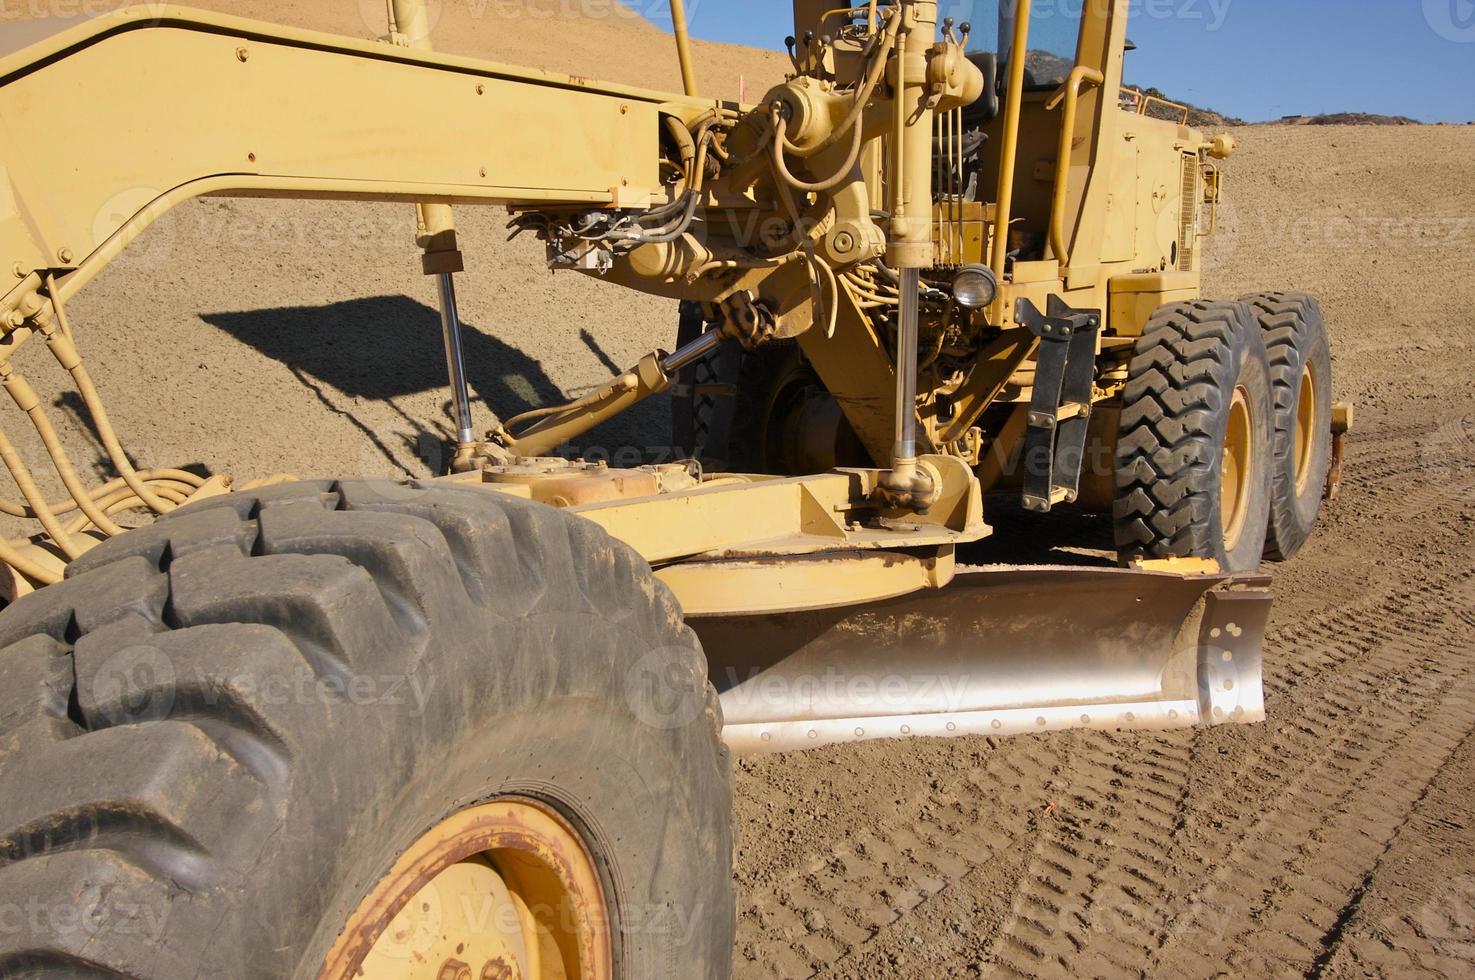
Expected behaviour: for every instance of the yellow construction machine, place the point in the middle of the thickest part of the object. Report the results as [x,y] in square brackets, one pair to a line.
[463,726]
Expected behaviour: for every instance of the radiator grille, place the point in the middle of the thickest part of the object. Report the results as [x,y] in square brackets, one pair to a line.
[1188,220]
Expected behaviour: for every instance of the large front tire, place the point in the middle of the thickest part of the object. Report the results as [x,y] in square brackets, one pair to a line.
[1194,450]
[223,733]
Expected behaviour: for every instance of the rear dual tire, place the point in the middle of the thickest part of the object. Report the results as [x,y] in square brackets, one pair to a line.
[1300,360]
[223,733]
[1194,475]
[758,411]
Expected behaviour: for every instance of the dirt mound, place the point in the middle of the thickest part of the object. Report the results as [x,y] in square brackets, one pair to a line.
[250,336]
[1347,119]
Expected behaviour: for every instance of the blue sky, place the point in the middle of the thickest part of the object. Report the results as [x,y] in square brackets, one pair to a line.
[1259,59]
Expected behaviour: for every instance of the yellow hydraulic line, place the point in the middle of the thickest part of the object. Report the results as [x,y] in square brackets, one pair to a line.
[683,47]
[180,477]
[66,355]
[32,493]
[1018,50]
[25,566]
[65,352]
[110,502]
[28,401]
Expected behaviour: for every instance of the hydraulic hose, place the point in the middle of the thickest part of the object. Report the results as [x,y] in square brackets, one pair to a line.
[26,400]
[32,493]
[851,125]
[874,71]
[66,355]
[25,566]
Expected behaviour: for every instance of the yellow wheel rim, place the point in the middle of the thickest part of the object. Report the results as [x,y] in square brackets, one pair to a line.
[501,891]
[1239,449]
[1306,423]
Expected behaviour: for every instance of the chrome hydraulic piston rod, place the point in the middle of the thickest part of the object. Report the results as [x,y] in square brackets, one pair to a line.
[450,321]
[905,446]
[910,247]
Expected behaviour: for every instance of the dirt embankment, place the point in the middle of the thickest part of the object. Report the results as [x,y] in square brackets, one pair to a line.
[252,336]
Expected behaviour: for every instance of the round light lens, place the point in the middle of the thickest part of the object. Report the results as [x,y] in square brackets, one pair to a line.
[974,287]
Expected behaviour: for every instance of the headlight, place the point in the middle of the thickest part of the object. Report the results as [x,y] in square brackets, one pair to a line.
[974,287]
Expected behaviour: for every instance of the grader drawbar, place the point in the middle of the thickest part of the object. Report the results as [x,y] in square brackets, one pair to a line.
[935,265]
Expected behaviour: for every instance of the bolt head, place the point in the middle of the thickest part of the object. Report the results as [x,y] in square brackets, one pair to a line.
[65,255]
[243,55]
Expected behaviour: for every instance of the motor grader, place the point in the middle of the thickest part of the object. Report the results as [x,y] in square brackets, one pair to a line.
[463,726]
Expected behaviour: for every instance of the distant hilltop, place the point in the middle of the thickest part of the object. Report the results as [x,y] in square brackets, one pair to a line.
[1347,119]
[1201,118]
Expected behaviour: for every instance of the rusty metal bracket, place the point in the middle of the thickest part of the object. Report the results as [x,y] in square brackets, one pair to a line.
[1342,420]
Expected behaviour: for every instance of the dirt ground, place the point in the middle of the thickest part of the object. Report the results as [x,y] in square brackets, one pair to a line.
[1337,840]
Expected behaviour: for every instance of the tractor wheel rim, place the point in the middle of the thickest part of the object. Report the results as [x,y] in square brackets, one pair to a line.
[1306,423]
[1238,464]
[502,891]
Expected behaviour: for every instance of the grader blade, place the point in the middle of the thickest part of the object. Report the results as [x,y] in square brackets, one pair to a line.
[1000,651]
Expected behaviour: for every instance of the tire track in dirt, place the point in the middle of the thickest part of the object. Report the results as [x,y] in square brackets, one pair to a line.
[1357,742]
[1336,944]
[828,909]
[1326,646]
[1414,914]
[1137,901]
[1364,649]
[1111,880]
[1098,882]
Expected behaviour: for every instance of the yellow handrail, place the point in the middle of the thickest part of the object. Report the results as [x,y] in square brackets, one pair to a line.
[1145,102]
[1014,102]
[1070,93]
[683,47]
